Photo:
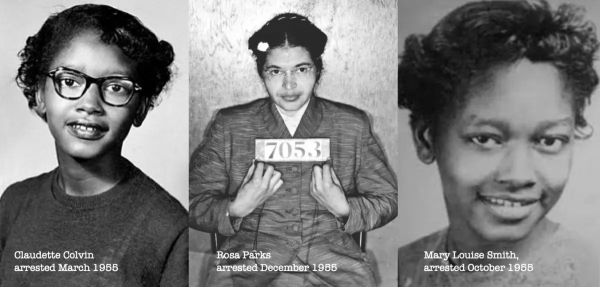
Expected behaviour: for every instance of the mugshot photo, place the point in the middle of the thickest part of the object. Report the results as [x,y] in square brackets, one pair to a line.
[292,143]
[496,133]
[94,128]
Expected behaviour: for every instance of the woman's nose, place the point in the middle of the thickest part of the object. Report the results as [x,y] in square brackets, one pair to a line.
[91,101]
[289,81]
[517,169]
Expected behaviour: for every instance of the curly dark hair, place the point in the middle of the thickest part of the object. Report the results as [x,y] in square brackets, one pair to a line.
[464,46]
[153,58]
[291,30]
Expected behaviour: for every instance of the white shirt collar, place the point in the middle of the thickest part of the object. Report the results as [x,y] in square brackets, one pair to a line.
[292,122]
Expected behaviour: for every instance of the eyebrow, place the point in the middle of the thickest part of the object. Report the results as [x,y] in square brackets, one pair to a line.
[473,120]
[544,125]
[121,72]
[277,67]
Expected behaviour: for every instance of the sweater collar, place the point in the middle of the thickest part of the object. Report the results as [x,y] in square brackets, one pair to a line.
[127,184]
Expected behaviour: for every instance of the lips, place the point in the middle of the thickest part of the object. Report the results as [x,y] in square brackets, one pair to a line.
[290,98]
[510,207]
[87,130]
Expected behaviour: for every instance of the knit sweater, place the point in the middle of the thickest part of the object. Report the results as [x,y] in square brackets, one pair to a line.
[134,234]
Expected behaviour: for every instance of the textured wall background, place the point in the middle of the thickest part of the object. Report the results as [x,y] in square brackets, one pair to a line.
[360,70]
[419,184]
[159,147]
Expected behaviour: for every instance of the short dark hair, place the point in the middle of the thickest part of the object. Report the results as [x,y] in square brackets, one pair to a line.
[152,57]
[293,30]
[476,37]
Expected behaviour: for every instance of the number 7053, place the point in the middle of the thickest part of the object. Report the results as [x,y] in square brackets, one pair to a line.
[316,149]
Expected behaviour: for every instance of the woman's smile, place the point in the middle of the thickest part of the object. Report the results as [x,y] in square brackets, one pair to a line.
[87,130]
[507,208]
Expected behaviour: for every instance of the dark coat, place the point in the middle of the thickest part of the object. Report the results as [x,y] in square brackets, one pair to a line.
[293,227]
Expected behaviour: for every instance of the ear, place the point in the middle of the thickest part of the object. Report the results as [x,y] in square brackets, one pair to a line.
[141,112]
[423,140]
[40,104]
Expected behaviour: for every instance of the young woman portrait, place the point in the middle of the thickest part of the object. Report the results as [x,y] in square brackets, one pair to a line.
[90,217]
[496,94]
[293,213]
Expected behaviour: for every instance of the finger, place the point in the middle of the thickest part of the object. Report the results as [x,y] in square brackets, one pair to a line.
[250,172]
[268,173]
[334,177]
[278,184]
[318,178]
[274,179]
[312,183]
[327,174]
[258,172]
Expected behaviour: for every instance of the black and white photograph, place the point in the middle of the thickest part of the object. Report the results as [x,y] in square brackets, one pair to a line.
[497,110]
[292,143]
[93,143]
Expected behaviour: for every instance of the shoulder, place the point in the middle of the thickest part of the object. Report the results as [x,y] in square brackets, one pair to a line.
[21,190]
[20,195]
[350,119]
[568,251]
[412,259]
[162,208]
[343,110]
[414,251]
[243,110]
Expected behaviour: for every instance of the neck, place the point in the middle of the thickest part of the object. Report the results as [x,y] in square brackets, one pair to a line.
[79,177]
[288,113]
[462,242]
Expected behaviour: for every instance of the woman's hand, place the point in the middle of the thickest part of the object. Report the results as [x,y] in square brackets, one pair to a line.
[256,188]
[326,188]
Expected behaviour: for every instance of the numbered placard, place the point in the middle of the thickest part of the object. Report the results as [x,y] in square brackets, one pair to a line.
[277,150]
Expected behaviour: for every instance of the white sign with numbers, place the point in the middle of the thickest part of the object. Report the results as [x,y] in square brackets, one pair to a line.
[278,150]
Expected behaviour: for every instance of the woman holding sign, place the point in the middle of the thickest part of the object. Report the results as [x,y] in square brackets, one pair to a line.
[290,177]
[496,93]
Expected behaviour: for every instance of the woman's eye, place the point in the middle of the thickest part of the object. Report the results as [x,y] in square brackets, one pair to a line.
[551,144]
[485,141]
[115,88]
[303,70]
[68,82]
[275,72]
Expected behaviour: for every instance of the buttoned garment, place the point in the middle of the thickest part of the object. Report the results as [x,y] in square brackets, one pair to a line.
[291,226]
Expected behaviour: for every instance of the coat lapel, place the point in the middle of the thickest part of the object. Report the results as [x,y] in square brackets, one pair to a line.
[311,120]
[273,121]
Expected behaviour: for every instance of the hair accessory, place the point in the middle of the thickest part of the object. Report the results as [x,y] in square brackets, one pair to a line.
[262,46]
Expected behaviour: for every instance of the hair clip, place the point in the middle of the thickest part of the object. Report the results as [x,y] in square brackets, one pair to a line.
[262,46]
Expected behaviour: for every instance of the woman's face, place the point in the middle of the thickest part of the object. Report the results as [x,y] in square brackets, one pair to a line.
[505,156]
[289,75]
[88,128]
